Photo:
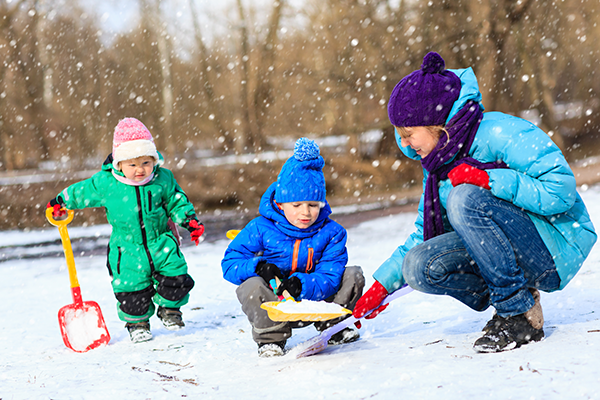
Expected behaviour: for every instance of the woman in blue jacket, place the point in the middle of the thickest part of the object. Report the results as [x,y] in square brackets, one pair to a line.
[295,241]
[499,218]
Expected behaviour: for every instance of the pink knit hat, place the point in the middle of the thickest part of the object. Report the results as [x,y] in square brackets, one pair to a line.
[132,140]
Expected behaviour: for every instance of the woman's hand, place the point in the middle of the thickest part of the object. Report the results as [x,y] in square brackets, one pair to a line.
[371,300]
[467,174]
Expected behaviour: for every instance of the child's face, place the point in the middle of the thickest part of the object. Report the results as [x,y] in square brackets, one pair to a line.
[137,169]
[301,214]
[421,139]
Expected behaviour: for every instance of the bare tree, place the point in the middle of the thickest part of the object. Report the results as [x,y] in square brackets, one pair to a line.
[158,47]
[213,107]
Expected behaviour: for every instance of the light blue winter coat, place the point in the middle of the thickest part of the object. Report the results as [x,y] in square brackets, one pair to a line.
[316,255]
[538,179]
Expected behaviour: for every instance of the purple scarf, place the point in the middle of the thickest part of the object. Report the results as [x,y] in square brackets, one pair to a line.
[461,130]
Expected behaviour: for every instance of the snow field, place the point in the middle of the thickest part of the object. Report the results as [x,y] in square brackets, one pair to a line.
[419,348]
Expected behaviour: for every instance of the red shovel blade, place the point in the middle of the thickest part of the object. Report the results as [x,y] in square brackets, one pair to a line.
[82,326]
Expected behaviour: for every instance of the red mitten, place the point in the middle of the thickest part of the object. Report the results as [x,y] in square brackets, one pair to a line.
[57,207]
[371,300]
[466,174]
[196,230]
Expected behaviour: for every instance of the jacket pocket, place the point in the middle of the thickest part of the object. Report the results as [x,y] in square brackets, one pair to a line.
[176,245]
[149,201]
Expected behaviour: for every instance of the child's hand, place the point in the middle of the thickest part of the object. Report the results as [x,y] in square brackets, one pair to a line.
[371,300]
[268,271]
[58,207]
[196,230]
[293,285]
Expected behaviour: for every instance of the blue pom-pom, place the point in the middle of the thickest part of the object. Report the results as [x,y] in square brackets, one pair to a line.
[306,149]
[433,63]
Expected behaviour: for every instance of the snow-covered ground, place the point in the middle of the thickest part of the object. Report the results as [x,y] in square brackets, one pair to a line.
[420,348]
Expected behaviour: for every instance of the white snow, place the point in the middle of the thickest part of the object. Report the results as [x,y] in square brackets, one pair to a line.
[304,310]
[308,307]
[419,348]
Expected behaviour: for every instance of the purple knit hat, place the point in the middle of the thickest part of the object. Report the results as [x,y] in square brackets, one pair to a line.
[425,96]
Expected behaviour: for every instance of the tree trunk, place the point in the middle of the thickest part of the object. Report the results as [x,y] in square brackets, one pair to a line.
[214,108]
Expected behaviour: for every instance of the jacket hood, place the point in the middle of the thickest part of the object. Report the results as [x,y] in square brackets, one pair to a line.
[269,210]
[469,90]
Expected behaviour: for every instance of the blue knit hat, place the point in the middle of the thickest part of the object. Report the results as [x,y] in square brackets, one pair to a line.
[301,177]
[425,96]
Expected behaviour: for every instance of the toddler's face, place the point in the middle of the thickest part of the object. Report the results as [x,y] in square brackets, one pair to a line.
[301,214]
[137,169]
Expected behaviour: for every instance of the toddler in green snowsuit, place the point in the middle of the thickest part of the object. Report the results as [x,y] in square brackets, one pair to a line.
[140,198]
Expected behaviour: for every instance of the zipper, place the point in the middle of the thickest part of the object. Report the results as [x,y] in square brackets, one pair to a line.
[309,262]
[149,201]
[295,256]
[119,262]
[143,228]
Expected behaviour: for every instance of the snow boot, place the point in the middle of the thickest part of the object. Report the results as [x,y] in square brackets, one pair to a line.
[494,322]
[271,349]
[534,315]
[171,318]
[507,334]
[139,331]
[346,335]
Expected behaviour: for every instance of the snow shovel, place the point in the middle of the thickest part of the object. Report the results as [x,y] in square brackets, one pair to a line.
[289,309]
[81,324]
[319,343]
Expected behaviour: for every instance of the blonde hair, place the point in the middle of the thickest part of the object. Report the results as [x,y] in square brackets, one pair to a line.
[435,130]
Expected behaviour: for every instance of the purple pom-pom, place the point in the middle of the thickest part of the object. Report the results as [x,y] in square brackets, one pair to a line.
[305,149]
[433,63]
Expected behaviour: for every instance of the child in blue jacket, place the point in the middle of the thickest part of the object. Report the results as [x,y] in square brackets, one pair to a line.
[294,240]
[500,218]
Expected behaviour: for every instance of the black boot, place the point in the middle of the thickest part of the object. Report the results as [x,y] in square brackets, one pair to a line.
[494,322]
[346,335]
[275,349]
[507,334]
[139,331]
[171,318]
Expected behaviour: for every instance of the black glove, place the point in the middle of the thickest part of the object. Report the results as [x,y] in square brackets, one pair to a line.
[293,285]
[268,271]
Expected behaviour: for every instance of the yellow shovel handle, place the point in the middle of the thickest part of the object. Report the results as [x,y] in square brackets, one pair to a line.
[285,293]
[231,234]
[66,242]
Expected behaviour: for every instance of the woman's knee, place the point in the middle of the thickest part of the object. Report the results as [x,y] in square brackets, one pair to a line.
[463,198]
[414,266]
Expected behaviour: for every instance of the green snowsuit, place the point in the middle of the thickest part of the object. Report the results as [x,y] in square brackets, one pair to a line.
[144,259]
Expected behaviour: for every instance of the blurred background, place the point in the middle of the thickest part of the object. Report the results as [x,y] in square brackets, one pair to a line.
[227,88]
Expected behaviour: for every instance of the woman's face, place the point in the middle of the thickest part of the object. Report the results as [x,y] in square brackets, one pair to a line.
[421,139]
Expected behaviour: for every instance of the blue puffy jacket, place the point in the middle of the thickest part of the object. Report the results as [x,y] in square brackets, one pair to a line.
[538,180]
[316,255]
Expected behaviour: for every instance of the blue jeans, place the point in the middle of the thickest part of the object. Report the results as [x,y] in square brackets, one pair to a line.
[493,256]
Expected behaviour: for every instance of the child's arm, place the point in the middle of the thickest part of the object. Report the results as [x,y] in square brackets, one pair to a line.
[176,203]
[241,257]
[84,194]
